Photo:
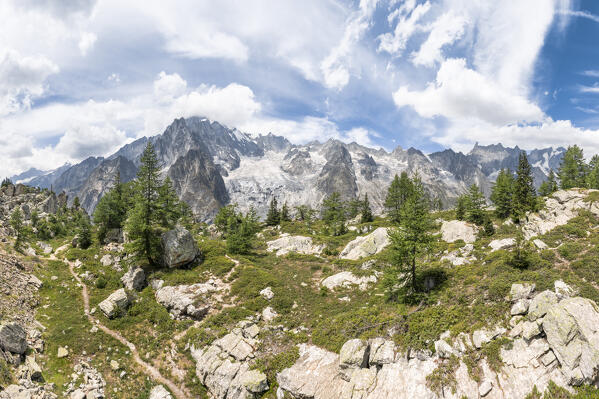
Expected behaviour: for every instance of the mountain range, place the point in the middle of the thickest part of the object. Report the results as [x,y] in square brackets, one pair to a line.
[212,165]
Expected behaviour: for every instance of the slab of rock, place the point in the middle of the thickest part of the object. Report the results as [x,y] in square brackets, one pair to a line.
[178,247]
[521,291]
[382,352]
[191,301]
[116,302]
[296,244]
[520,307]
[368,245]
[483,336]
[454,230]
[160,392]
[563,290]
[504,243]
[107,260]
[541,304]
[347,279]
[443,349]
[269,314]
[354,354]
[254,381]
[134,279]
[13,338]
[46,248]
[539,244]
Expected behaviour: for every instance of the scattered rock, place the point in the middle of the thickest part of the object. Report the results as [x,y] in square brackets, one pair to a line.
[368,245]
[520,307]
[563,290]
[443,349]
[269,314]
[134,279]
[539,244]
[116,302]
[267,293]
[179,247]
[46,248]
[454,230]
[540,304]
[296,244]
[485,388]
[191,301]
[160,392]
[502,244]
[481,337]
[13,338]
[347,279]
[62,352]
[107,260]
[114,365]
[521,291]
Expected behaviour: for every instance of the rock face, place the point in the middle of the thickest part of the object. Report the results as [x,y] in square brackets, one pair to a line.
[191,301]
[134,279]
[160,392]
[179,247]
[454,230]
[13,338]
[502,244]
[346,280]
[559,208]
[368,245]
[297,244]
[224,366]
[115,303]
[338,175]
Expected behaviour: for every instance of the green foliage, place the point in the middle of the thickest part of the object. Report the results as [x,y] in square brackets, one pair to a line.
[171,210]
[572,170]
[6,182]
[271,365]
[411,240]
[333,215]
[222,220]
[5,375]
[444,376]
[85,234]
[550,186]
[365,211]
[397,194]
[285,216]
[474,206]
[488,227]
[111,211]
[502,194]
[460,210]
[521,255]
[524,196]
[241,231]
[304,213]
[16,223]
[492,352]
[273,217]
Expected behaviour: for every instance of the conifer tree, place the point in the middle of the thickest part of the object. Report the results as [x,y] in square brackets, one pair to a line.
[35,218]
[461,205]
[273,217]
[223,218]
[333,214]
[144,219]
[502,194]
[76,203]
[111,211]
[549,186]
[410,240]
[170,209]
[524,191]
[366,212]
[474,205]
[285,217]
[85,234]
[572,170]
[16,222]
[593,173]
[353,208]
[398,192]
[242,231]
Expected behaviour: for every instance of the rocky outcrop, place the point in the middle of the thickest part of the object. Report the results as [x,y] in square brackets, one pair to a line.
[134,279]
[298,244]
[454,230]
[224,367]
[160,392]
[368,245]
[116,303]
[337,175]
[346,280]
[559,208]
[179,248]
[189,301]
[87,382]
[504,243]
[460,256]
[13,338]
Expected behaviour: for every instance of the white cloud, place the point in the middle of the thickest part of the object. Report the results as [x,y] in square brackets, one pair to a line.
[22,80]
[461,93]
[83,141]
[167,87]
[445,30]
[361,136]
[589,89]
[591,72]
[87,42]
[408,17]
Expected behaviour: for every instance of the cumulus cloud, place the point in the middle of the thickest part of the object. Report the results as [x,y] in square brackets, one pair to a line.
[445,30]
[87,42]
[406,18]
[83,141]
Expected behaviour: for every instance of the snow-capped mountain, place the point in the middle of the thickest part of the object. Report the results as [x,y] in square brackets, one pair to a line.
[212,165]
[40,178]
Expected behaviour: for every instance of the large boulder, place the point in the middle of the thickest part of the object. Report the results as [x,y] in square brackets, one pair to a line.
[572,332]
[297,244]
[178,247]
[134,279]
[455,230]
[13,338]
[188,300]
[116,302]
[368,245]
[160,392]
[502,244]
[347,279]
[540,304]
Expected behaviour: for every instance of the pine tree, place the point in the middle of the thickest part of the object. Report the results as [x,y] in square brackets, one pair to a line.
[572,170]
[223,218]
[502,194]
[460,210]
[399,190]
[76,203]
[285,217]
[365,210]
[273,217]
[524,191]
[35,218]
[16,222]
[333,214]
[144,219]
[411,240]
[593,173]
[85,234]
[170,209]
[474,205]
[111,211]
[549,186]
[242,231]
[6,182]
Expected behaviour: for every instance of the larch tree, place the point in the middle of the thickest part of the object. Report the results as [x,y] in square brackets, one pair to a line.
[502,194]
[572,170]
[397,194]
[525,196]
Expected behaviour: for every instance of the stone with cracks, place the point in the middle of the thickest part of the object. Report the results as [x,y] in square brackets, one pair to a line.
[347,279]
[116,302]
[354,353]
[454,230]
[296,244]
[540,304]
[521,291]
[13,338]
[502,244]
[134,279]
[191,301]
[368,245]
[178,247]
[160,392]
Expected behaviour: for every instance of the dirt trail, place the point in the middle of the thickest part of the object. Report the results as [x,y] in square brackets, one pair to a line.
[148,369]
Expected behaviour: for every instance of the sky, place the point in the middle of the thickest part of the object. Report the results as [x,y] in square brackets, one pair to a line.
[84,77]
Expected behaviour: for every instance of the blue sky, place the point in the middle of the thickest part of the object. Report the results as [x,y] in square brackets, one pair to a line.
[83,78]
